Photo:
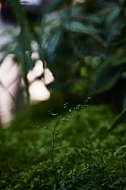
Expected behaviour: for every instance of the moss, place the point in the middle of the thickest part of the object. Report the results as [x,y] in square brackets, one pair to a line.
[72,151]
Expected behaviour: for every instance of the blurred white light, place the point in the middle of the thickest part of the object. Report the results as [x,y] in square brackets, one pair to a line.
[11,83]
[48,76]
[38,91]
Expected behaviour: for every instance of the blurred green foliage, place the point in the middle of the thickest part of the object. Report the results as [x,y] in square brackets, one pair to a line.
[69,151]
[83,45]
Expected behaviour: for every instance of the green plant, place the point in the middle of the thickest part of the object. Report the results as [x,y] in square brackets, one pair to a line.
[119,120]
[82,44]
[76,44]
[110,75]
[52,149]
[80,156]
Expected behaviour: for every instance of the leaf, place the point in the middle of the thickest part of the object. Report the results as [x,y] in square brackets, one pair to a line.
[79,28]
[119,120]
[107,76]
[114,31]
[51,45]
[118,151]
[94,18]
[53,41]
[52,25]
[119,57]
[112,15]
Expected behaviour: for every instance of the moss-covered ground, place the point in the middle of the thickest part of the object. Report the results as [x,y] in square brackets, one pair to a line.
[68,151]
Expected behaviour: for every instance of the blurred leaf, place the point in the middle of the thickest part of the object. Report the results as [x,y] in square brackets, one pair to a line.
[79,28]
[52,25]
[114,31]
[112,15]
[51,45]
[106,78]
[119,57]
[119,120]
[69,32]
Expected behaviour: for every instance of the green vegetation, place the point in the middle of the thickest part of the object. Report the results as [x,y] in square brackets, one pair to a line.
[69,151]
[79,147]
[83,44]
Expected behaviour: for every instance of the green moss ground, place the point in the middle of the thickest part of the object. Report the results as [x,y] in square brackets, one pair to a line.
[72,151]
